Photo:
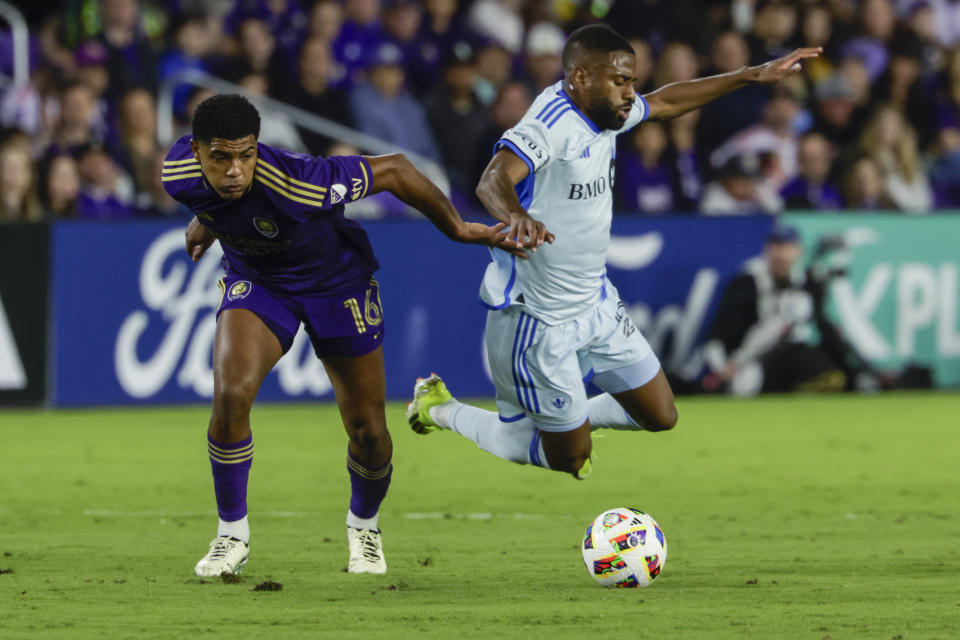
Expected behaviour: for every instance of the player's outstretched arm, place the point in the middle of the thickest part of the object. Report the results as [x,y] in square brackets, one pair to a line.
[199,239]
[678,98]
[395,173]
[496,192]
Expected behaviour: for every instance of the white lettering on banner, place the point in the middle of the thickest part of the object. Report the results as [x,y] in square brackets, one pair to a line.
[855,311]
[916,303]
[925,298]
[187,301]
[300,371]
[634,252]
[683,323]
[948,338]
[12,374]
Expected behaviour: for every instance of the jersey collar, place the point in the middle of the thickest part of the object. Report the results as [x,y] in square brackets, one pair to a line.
[582,115]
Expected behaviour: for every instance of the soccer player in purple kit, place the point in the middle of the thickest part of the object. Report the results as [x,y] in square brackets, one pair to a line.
[292,257]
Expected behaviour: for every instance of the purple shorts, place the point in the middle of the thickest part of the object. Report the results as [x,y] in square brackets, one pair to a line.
[349,323]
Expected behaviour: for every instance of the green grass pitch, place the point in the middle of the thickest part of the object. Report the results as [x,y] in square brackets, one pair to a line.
[786,517]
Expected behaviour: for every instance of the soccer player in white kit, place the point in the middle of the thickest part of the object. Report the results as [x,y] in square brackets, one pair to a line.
[555,321]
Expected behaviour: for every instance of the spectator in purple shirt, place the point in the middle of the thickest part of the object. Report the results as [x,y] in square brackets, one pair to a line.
[360,34]
[643,180]
[189,46]
[131,60]
[106,193]
[440,28]
[285,19]
[810,189]
[401,24]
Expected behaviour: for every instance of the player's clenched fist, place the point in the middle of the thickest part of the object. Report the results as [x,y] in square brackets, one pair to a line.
[199,239]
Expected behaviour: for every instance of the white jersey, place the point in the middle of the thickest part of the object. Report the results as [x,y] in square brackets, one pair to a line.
[570,190]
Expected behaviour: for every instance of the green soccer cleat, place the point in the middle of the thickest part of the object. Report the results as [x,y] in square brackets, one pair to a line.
[427,393]
[584,471]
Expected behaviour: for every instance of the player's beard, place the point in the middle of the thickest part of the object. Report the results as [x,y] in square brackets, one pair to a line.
[604,114]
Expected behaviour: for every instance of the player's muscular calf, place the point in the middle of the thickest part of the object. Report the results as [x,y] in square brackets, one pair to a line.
[567,450]
[360,388]
[652,405]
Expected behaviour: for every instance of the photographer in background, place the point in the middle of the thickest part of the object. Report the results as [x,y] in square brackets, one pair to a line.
[761,337]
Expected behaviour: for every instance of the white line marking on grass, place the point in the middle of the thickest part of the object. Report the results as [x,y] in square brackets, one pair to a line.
[437,515]
[428,515]
[162,513]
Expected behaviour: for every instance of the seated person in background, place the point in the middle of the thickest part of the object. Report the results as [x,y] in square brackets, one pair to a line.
[810,189]
[382,107]
[740,189]
[60,185]
[774,135]
[863,186]
[106,192]
[18,185]
[644,182]
[892,144]
[760,338]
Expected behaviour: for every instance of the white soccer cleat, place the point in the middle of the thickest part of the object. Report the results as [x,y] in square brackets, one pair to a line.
[226,555]
[366,551]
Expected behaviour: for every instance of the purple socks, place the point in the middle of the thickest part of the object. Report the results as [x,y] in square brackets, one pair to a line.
[368,487]
[230,463]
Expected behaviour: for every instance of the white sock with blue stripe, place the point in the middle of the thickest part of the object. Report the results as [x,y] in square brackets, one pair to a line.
[517,441]
[606,413]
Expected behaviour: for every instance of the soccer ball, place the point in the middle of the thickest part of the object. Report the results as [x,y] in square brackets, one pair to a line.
[624,548]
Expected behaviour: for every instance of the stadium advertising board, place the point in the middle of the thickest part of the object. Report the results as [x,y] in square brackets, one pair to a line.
[23,313]
[899,299]
[671,272]
[135,318]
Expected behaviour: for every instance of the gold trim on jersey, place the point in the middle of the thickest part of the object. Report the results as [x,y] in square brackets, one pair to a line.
[181,177]
[366,181]
[314,203]
[283,176]
[287,187]
[173,162]
[188,167]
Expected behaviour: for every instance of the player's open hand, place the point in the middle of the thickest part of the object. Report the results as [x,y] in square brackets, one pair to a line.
[199,239]
[495,236]
[777,70]
[530,233]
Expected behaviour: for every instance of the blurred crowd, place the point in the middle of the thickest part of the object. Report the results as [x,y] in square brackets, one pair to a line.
[872,124]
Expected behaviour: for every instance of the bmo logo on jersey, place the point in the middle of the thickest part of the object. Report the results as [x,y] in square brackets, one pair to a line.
[594,188]
[587,190]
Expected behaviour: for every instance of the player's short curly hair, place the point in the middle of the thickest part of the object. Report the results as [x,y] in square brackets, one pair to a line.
[594,38]
[228,116]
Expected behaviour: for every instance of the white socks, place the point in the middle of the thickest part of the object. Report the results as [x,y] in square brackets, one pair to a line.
[239,529]
[606,413]
[356,522]
[517,441]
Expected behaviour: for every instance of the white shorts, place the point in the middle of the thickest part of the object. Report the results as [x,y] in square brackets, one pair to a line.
[539,370]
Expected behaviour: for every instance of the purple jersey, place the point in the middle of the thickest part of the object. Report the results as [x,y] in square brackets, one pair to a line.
[288,231]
